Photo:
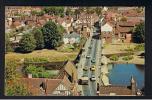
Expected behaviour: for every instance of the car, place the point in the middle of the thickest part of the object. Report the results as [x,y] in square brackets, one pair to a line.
[92,68]
[83,49]
[93,60]
[90,47]
[87,56]
[85,68]
[84,80]
[93,78]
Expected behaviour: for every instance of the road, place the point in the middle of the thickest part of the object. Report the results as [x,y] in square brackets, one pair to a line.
[94,52]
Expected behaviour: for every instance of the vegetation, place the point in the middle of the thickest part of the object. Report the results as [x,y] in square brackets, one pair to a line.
[140,47]
[35,60]
[37,13]
[17,89]
[61,29]
[51,35]
[139,33]
[66,48]
[27,43]
[98,11]
[69,12]
[114,58]
[10,70]
[8,47]
[54,11]
[38,35]
[39,72]
[126,58]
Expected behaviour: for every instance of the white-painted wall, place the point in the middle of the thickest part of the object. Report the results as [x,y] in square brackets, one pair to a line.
[106,28]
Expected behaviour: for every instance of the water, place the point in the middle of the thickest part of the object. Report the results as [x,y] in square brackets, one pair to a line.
[120,74]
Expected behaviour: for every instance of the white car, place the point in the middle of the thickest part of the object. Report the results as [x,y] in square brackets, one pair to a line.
[93,78]
[88,56]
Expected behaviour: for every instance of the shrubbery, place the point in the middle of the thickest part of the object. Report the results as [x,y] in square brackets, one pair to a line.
[39,72]
[126,58]
[114,58]
[139,47]
[37,60]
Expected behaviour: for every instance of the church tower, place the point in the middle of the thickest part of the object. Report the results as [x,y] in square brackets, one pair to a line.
[133,86]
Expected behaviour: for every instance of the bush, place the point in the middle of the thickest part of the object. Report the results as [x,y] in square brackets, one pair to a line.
[126,58]
[8,47]
[31,70]
[39,72]
[114,58]
[140,47]
[35,60]
[17,89]
[27,43]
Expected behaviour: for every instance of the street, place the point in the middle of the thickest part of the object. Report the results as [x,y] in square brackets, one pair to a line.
[91,57]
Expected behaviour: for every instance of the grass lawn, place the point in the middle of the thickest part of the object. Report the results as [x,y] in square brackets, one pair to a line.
[51,55]
[117,48]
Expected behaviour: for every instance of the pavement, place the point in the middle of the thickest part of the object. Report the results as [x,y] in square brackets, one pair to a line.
[95,53]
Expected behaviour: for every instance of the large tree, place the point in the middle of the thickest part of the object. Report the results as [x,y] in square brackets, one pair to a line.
[51,35]
[27,43]
[139,33]
[38,35]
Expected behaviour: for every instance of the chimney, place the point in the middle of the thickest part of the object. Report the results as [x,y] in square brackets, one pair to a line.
[133,86]
[29,75]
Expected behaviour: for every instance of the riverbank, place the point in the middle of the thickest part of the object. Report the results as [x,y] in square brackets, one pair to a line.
[120,49]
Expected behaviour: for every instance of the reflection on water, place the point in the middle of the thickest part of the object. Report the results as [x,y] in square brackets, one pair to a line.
[120,74]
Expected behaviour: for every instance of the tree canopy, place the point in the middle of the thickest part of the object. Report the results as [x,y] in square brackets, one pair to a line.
[139,33]
[54,10]
[52,37]
[27,43]
[38,35]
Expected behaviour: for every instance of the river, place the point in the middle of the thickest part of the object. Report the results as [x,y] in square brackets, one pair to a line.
[120,74]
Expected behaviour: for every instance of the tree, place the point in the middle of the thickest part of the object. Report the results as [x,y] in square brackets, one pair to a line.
[27,43]
[17,89]
[51,35]
[98,11]
[8,47]
[69,12]
[139,33]
[89,10]
[38,35]
[61,29]
[54,10]
[10,70]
